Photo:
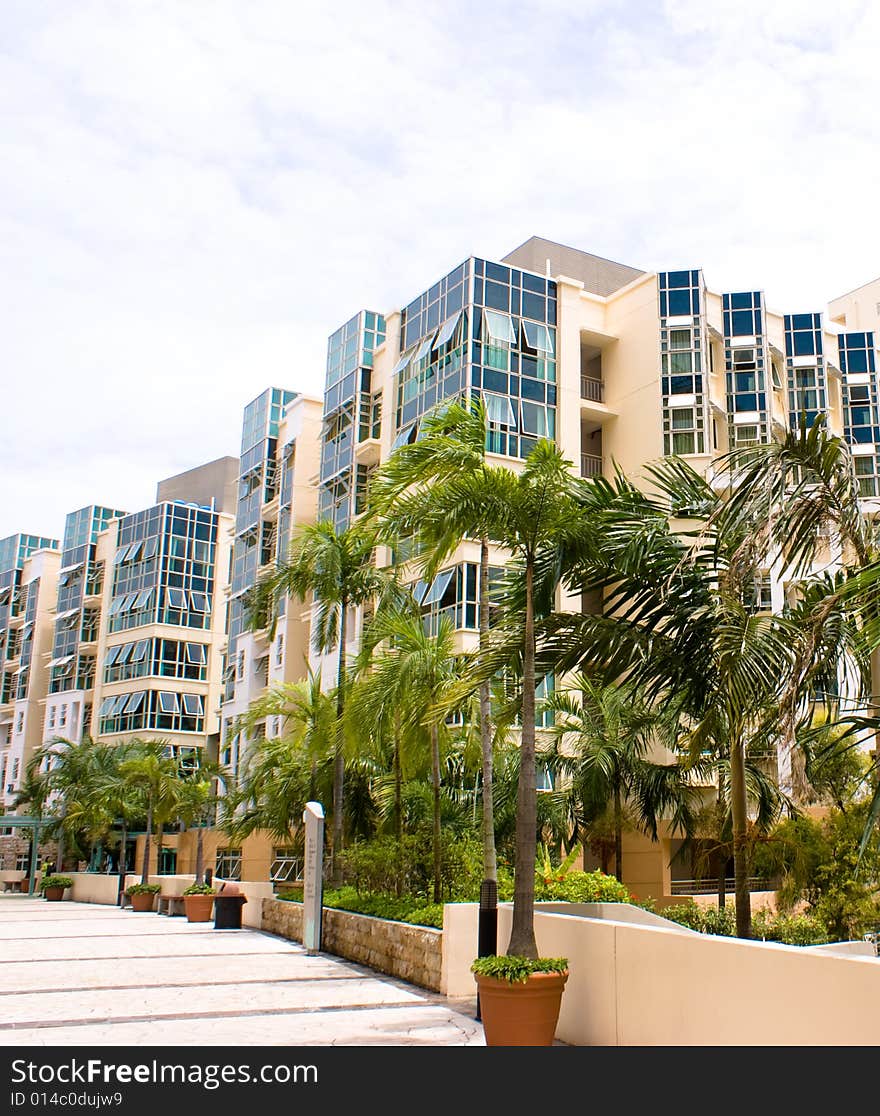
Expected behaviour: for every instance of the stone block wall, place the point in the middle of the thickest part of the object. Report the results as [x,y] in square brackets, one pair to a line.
[412,953]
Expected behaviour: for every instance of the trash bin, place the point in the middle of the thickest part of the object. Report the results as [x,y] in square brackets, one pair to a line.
[227,911]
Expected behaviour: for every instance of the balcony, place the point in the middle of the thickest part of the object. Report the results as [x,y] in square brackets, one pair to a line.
[592,389]
[591,465]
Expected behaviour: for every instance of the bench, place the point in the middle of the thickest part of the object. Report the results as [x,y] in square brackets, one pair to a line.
[170,905]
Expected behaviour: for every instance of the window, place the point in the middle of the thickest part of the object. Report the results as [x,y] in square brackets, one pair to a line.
[866,475]
[683,424]
[438,587]
[535,419]
[758,597]
[537,337]
[177,598]
[499,410]
[279,651]
[287,865]
[680,339]
[227,866]
[744,358]
[447,330]
[745,436]
[192,705]
[195,653]
[405,436]
[499,328]
[199,602]
[140,650]
[167,702]
[135,701]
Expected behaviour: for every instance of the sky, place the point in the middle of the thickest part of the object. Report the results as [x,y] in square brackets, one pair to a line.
[196,193]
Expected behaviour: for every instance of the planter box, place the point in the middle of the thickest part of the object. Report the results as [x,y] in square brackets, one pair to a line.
[145,901]
[198,907]
[412,953]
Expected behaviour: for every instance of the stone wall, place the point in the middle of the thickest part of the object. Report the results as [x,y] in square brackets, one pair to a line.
[412,953]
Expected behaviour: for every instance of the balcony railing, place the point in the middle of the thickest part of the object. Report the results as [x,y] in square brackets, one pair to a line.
[591,389]
[708,886]
[591,465]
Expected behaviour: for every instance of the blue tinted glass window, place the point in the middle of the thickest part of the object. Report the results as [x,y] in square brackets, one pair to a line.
[742,323]
[533,306]
[679,303]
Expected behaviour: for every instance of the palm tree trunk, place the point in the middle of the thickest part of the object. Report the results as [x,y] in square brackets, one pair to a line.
[618,833]
[122,842]
[145,870]
[160,834]
[522,935]
[435,780]
[60,843]
[740,852]
[200,856]
[339,758]
[490,863]
[398,807]
[722,868]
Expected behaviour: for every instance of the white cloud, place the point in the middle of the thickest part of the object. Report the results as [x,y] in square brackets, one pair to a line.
[195,195]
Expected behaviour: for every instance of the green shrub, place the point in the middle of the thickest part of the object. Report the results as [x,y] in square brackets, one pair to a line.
[199,889]
[685,914]
[143,889]
[55,881]
[404,909]
[517,969]
[581,887]
[720,921]
[799,930]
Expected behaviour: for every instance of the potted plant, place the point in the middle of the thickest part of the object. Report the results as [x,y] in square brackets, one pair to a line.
[53,887]
[198,900]
[142,895]
[520,998]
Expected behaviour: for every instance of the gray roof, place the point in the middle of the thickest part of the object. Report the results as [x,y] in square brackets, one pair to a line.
[599,276]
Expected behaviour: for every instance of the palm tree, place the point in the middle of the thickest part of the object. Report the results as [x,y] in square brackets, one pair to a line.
[70,777]
[155,775]
[413,673]
[196,800]
[603,735]
[337,568]
[451,443]
[282,771]
[801,498]
[677,623]
[534,515]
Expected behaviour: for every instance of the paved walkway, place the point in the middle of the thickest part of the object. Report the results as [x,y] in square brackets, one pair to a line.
[77,974]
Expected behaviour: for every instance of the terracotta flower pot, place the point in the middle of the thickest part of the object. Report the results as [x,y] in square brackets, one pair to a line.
[143,901]
[54,894]
[516,1014]
[198,907]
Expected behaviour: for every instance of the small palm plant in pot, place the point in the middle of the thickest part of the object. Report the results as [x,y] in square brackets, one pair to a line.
[520,998]
[53,887]
[142,895]
[198,899]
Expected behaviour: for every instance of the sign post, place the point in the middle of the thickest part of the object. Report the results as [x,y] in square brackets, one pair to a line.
[313,891]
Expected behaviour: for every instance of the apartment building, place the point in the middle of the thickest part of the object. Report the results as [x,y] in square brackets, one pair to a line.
[276,492]
[163,611]
[77,624]
[28,577]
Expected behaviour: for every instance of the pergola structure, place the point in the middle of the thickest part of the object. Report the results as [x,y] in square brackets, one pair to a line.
[17,821]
